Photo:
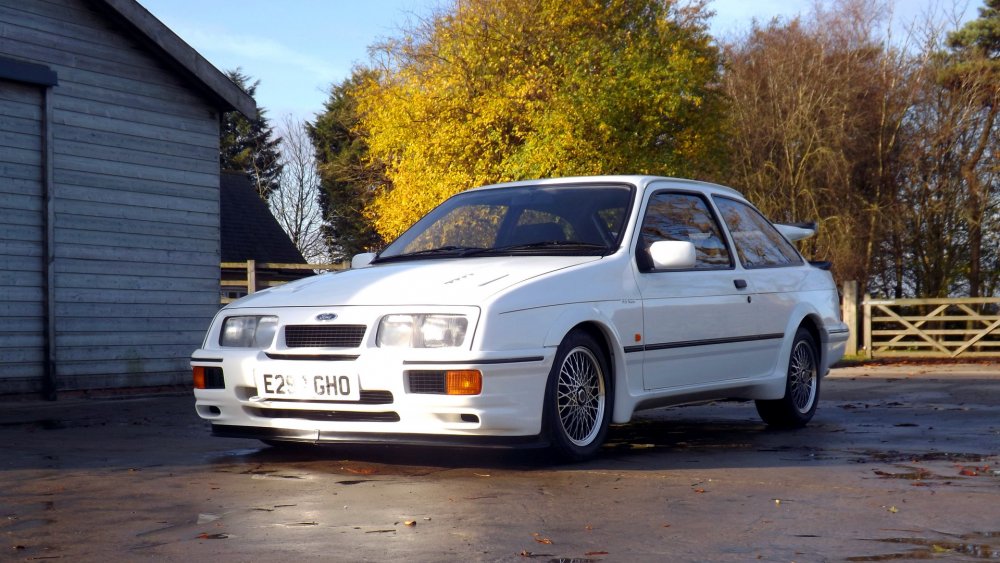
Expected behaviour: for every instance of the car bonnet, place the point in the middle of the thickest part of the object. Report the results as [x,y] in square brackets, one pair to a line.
[467,281]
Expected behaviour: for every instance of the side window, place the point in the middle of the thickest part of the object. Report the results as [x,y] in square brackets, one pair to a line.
[676,216]
[758,243]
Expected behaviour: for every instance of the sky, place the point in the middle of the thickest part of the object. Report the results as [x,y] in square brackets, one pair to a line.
[298,49]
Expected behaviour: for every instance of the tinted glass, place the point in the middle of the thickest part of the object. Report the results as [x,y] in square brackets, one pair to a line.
[758,243]
[686,217]
[551,218]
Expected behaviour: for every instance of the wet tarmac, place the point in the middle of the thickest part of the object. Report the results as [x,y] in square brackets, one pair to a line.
[900,463]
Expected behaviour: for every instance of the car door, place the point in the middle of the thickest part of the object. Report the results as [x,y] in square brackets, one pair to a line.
[698,324]
[769,262]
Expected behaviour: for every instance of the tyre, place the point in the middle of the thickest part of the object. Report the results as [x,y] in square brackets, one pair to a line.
[578,398]
[798,406]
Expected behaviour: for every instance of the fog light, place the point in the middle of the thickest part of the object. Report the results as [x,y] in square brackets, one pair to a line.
[208,377]
[463,382]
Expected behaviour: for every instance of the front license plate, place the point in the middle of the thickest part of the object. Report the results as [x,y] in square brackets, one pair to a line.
[304,383]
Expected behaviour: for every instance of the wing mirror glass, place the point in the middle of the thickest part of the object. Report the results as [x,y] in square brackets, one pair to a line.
[362,260]
[673,254]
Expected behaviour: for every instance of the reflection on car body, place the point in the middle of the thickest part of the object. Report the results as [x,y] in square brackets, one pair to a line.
[532,313]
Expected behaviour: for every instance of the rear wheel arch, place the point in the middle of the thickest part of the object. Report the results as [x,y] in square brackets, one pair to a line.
[811,324]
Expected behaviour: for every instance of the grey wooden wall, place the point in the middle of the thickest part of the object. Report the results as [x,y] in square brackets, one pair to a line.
[136,177]
[21,232]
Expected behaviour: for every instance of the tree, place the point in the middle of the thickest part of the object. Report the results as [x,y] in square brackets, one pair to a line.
[348,184]
[295,204]
[973,73]
[497,90]
[817,108]
[247,145]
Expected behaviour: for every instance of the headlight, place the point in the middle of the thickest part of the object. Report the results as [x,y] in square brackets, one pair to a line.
[422,331]
[248,332]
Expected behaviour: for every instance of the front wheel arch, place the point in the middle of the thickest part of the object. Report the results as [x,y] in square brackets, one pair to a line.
[579,396]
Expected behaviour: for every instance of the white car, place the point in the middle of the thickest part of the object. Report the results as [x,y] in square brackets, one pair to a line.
[532,313]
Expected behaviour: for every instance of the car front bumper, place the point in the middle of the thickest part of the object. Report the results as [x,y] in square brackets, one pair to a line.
[507,411]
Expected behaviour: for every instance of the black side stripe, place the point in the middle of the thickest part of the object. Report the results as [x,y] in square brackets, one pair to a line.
[707,342]
[207,360]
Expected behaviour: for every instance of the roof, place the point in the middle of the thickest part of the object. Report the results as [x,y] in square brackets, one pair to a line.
[155,34]
[635,179]
[249,230]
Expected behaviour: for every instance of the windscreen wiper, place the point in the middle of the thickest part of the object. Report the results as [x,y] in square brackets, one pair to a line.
[545,245]
[441,251]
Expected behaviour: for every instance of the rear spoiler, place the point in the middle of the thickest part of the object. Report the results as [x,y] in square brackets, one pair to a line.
[796,231]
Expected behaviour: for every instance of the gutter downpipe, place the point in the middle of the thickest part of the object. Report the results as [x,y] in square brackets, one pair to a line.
[49,376]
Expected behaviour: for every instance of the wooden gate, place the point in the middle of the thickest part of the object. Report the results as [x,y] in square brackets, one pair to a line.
[943,328]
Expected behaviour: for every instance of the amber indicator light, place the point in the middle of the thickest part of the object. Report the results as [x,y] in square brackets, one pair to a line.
[463,382]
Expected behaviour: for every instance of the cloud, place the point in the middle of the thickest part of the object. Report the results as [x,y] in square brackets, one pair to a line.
[247,49]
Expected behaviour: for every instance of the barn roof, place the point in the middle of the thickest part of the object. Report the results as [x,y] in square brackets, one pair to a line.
[249,230]
[151,31]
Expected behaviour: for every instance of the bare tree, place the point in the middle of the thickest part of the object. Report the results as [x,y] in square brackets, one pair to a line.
[296,202]
[815,114]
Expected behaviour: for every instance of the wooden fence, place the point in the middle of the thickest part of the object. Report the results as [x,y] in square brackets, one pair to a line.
[243,278]
[943,328]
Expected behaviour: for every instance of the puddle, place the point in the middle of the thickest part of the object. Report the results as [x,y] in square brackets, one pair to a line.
[913,474]
[44,424]
[977,545]
[897,457]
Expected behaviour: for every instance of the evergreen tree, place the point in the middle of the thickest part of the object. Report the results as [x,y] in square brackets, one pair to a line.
[347,185]
[248,145]
[973,71]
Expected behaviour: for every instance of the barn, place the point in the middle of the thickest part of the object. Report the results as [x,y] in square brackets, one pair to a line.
[109,196]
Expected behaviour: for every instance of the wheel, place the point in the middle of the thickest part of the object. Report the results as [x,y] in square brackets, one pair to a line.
[798,406]
[578,398]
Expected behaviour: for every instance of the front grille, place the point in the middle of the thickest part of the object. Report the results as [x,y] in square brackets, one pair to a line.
[327,416]
[324,336]
[427,382]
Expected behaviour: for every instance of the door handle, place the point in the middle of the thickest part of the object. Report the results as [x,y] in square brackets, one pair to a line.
[740,284]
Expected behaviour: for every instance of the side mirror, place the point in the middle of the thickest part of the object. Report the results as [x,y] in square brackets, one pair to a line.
[673,254]
[362,260]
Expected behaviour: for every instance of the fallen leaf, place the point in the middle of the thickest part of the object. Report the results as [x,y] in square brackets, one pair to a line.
[410,523]
[525,553]
[969,472]
[540,539]
[362,470]
[893,509]
[206,536]
[699,490]
[589,528]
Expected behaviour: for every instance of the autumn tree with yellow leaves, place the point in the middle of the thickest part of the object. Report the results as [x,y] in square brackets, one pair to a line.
[498,90]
